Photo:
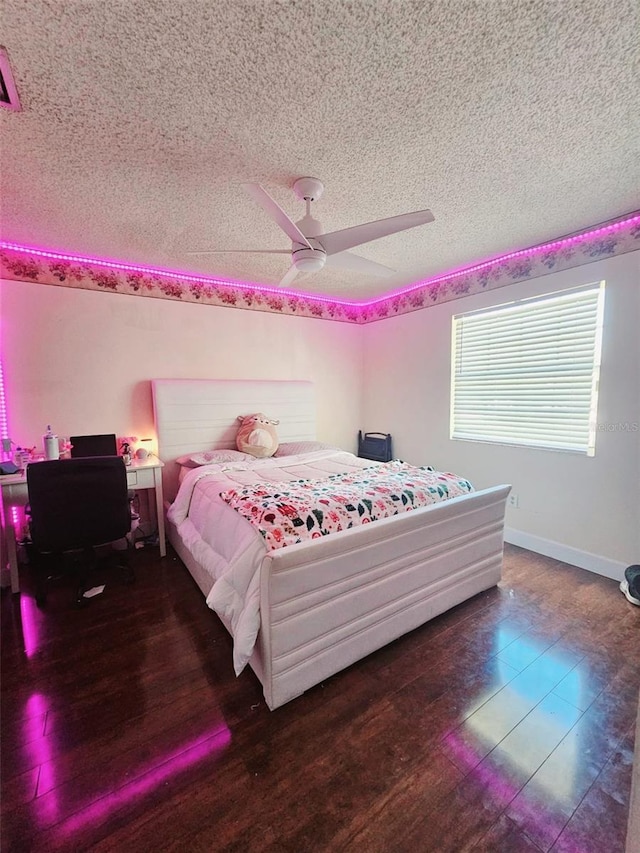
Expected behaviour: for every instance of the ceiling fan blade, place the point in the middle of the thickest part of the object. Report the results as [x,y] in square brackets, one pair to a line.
[349,261]
[288,277]
[271,207]
[338,241]
[242,252]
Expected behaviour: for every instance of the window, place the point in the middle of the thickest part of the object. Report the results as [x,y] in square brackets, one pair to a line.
[526,373]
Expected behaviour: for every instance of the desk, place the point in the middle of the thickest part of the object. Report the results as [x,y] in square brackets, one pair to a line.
[141,474]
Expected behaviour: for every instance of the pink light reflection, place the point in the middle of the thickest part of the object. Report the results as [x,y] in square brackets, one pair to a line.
[503,790]
[36,706]
[527,807]
[40,753]
[29,618]
[205,746]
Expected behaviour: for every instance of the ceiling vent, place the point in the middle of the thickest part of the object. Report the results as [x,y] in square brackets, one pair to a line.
[8,92]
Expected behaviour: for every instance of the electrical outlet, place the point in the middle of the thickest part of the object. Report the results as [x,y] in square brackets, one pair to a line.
[514,501]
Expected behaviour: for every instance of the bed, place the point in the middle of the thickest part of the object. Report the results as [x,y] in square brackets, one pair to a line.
[322,603]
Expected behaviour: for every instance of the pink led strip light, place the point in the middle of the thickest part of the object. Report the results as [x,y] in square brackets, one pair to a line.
[4,433]
[600,231]
[4,420]
[182,276]
[521,253]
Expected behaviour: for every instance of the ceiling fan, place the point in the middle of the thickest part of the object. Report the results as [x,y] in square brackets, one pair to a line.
[311,249]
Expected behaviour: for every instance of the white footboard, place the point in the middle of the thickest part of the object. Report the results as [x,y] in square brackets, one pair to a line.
[326,605]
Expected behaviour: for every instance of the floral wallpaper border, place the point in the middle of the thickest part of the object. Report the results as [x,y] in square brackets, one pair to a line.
[25,263]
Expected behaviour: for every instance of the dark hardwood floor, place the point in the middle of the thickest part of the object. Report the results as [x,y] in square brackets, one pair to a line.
[506,724]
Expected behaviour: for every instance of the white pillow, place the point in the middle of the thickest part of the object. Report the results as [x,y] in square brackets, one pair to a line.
[211,457]
[293,448]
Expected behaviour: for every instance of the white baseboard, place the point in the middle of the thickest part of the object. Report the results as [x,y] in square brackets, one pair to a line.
[566,554]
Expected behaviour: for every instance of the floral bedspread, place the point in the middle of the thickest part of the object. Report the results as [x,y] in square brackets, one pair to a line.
[308,509]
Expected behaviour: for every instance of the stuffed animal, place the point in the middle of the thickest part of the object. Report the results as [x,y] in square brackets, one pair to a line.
[257,435]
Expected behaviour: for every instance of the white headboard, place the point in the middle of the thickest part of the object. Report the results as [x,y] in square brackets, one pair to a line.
[192,415]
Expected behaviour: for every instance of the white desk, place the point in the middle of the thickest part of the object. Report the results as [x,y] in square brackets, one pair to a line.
[145,474]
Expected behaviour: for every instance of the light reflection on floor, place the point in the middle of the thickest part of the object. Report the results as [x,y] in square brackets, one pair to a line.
[495,723]
[38,748]
[29,621]
[208,745]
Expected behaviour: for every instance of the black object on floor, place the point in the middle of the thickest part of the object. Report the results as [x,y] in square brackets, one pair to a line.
[630,586]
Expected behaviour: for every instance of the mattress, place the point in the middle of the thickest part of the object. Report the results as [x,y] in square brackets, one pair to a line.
[231,548]
[227,547]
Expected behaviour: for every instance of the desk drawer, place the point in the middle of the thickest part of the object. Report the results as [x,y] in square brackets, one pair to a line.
[142,479]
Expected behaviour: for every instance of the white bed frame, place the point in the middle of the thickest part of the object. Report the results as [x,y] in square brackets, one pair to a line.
[326,604]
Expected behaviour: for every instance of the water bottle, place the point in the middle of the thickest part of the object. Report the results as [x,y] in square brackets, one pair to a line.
[51,445]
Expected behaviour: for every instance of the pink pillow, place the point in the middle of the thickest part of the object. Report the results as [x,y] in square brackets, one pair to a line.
[210,457]
[293,448]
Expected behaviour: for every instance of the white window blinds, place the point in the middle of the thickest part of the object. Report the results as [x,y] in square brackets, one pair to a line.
[527,373]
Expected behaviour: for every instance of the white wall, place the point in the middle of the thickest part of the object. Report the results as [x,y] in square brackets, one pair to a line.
[81,360]
[578,504]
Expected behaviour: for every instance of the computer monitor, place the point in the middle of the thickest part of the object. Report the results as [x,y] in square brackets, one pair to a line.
[93,445]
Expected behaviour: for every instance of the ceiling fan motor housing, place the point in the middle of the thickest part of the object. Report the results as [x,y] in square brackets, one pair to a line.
[306,259]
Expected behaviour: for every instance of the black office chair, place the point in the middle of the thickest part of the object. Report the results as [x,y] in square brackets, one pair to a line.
[76,505]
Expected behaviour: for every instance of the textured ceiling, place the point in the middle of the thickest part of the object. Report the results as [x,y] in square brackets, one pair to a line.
[515,122]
